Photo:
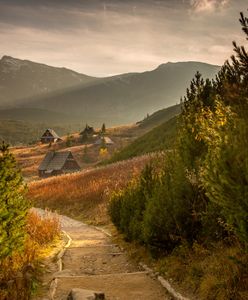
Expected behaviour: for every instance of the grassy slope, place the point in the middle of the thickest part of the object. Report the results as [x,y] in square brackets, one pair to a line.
[157,139]
[159,117]
[85,195]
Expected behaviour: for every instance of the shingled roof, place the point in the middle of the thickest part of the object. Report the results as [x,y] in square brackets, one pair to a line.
[54,160]
[52,133]
[87,130]
[105,140]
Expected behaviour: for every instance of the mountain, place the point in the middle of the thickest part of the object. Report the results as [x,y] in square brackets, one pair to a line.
[22,79]
[59,95]
[125,98]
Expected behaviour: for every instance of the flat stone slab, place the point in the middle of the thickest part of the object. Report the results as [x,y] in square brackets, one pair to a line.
[137,286]
[82,294]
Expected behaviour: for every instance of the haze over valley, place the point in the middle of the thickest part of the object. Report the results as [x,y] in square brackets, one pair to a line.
[58,95]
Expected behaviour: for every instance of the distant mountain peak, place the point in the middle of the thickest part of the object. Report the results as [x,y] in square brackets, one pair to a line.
[6,57]
[11,64]
[183,63]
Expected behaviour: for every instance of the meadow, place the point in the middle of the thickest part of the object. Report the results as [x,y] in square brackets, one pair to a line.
[84,195]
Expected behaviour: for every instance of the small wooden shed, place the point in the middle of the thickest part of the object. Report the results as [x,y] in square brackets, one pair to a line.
[57,163]
[104,140]
[50,136]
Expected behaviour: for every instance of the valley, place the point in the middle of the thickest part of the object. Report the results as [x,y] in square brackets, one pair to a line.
[66,99]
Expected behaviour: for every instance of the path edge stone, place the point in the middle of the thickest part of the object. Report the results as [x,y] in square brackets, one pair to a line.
[165,283]
[59,256]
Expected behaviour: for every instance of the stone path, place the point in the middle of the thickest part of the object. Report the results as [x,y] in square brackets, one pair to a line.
[93,262]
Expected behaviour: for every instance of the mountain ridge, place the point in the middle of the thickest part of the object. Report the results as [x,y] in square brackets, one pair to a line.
[120,99]
[31,79]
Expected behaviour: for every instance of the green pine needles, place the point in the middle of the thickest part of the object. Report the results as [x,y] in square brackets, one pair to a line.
[13,205]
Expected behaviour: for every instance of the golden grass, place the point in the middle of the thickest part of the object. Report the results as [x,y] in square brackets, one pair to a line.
[18,272]
[43,230]
[29,157]
[85,195]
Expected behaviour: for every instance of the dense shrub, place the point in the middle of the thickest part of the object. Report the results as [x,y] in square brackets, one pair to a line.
[168,215]
[127,206]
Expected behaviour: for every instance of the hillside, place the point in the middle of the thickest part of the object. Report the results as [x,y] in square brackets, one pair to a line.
[21,132]
[158,139]
[84,195]
[72,97]
[159,117]
[30,79]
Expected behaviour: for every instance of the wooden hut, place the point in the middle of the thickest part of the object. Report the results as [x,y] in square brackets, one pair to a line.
[104,140]
[88,133]
[56,163]
[50,136]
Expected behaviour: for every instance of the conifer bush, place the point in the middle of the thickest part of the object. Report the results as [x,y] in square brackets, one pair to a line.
[168,216]
[13,205]
[128,205]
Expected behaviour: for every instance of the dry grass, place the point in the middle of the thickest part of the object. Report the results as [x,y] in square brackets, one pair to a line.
[18,272]
[43,230]
[29,157]
[85,195]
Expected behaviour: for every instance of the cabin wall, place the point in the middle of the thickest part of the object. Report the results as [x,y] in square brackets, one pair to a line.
[48,140]
[43,174]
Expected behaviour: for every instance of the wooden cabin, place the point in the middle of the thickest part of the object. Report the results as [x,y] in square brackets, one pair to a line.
[88,133]
[50,136]
[104,140]
[57,163]
[88,130]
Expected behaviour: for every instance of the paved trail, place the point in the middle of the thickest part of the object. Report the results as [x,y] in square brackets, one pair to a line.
[93,262]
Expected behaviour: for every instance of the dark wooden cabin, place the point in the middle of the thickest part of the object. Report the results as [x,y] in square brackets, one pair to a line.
[88,133]
[88,130]
[50,136]
[57,163]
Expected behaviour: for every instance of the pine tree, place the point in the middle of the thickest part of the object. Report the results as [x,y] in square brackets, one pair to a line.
[103,130]
[13,205]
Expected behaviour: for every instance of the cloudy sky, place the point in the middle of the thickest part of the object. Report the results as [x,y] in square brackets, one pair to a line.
[101,38]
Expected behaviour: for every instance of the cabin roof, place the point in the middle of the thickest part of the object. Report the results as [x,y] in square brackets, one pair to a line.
[52,133]
[54,160]
[106,139]
[88,129]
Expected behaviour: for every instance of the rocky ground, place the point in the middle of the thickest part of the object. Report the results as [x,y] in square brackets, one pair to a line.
[93,262]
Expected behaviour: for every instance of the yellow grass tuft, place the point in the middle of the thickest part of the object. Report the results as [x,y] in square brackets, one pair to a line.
[43,230]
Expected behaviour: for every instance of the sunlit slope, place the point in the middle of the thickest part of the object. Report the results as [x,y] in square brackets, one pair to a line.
[124,98]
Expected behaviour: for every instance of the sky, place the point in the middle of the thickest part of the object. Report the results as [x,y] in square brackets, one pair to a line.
[101,38]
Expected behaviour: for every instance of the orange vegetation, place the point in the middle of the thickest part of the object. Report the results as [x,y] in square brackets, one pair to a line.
[84,195]
[43,230]
[18,272]
[87,155]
